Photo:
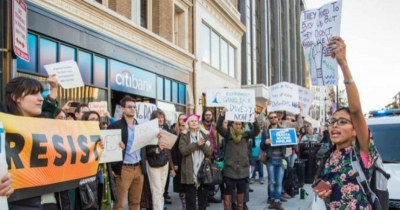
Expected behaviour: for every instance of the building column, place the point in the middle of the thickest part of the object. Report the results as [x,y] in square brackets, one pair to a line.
[278,41]
[265,56]
[245,17]
[6,54]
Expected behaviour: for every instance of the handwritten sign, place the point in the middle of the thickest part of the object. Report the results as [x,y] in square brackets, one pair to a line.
[112,152]
[118,112]
[306,98]
[3,164]
[99,106]
[318,27]
[284,96]
[67,74]
[283,137]
[143,111]
[145,134]
[314,123]
[168,138]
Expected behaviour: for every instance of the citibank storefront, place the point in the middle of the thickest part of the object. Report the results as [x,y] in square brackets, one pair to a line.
[109,69]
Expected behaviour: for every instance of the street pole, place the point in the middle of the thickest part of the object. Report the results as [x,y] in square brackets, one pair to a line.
[5,44]
[337,97]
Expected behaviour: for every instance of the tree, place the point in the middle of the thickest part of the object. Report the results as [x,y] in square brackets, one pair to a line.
[393,105]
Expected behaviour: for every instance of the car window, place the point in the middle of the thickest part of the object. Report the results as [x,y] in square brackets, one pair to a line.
[387,141]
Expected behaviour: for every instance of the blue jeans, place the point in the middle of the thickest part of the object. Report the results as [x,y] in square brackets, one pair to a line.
[292,158]
[258,166]
[275,178]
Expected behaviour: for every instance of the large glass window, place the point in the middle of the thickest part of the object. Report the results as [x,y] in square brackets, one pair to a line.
[231,61]
[47,55]
[67,53]
[160,88]
[224,57]
[182,93]
[175,92]
[32,64]
[100,72]
[167,90]
[85,66]
[215,47]
[205,30]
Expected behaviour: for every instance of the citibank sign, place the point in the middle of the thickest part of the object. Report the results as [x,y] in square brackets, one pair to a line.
[133,80]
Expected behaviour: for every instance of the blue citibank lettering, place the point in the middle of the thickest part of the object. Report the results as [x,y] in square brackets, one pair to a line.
[131,79]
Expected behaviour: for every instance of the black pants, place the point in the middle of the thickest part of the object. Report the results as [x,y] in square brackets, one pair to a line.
[191,192]
[166,186]
[49,206]
[230,188]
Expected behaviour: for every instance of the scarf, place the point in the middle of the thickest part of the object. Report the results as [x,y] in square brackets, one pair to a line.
[197,157]
[236,135]
[212,139]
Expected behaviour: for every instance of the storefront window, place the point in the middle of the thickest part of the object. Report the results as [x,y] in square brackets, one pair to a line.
[67,53]
[171,111]
[100,72]
[160,88]
[175,92]
[182,93]
[47,54]
[167,90]
[31,65]
[85,66]
[224,56]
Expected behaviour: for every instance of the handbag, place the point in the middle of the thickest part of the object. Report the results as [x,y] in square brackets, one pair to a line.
[158,160]
[209,173]
[263,157]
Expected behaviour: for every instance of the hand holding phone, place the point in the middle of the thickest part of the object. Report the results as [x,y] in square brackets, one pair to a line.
[320,185]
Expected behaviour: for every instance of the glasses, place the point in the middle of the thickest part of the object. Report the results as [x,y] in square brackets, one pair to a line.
[130,107]
[340,121]
[274,117]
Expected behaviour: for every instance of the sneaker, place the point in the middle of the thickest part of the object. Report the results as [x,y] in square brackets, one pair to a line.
[261,181]
[278,206]
[270,201]
[283,200]
[272,205]
[286,196]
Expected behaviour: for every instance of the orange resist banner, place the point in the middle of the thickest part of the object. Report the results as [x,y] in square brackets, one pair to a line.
[46,155]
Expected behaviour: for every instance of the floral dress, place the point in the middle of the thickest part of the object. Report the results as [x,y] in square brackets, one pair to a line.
[338,171]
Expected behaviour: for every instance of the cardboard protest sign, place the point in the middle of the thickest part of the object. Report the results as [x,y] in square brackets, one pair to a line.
[284,96]
[283,137]
[46,155]
[99,107]
[318,27]
[145,134]
[143,111]
[111,152]
[3,164]
[168,138]
[306,98]
[67,74]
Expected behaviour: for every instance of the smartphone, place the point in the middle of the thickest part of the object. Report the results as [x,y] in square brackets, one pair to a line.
[321,185]
[74,104]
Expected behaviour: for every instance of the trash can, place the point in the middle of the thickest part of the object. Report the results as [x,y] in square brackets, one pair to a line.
[308,151]
[300,166]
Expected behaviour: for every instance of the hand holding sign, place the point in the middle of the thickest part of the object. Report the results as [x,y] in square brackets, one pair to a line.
[5,186]
[52,80]
[339,51]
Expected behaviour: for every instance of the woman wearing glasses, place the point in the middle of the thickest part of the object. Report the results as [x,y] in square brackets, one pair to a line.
[349,132]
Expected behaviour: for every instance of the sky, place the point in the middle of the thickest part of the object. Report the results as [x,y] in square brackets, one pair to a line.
[371,31]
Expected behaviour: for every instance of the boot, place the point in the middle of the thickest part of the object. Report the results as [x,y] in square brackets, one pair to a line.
[227,202]
[240,201]
[182,196]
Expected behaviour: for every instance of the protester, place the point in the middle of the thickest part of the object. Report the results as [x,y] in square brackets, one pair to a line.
[349,132]
[5,185]
[177,160]
[310,136]
[237,163]
[194,145]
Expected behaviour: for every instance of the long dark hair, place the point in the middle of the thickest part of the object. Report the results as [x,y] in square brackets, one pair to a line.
[58,111]
[17,88]
[204,113]
[85,116]
[331,149]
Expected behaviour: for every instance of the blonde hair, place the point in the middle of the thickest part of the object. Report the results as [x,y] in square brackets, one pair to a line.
[177,125]
[188,120]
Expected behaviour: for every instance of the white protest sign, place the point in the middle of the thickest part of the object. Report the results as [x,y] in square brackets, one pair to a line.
[99,107]
[143,111]
[20,29]
[117,112]
[67,73]
[168,138]
[306,98]
[145,134]
[3,164]
[314,123]
[284,96]
[112,152]
[318,27]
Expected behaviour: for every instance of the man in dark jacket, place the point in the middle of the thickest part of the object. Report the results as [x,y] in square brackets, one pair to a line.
[129,172]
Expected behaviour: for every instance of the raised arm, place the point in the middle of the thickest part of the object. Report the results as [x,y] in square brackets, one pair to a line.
[360,125]
[220,128]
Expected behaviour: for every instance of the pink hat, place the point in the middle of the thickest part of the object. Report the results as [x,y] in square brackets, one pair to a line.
[190,116]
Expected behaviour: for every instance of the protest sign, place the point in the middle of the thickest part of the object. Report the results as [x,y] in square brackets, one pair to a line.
[283,137]
[318,27]
[145,134]
[112,152]
[284,96]
[67,74]
[99,107]
[306,98]
[118,112]
[46,155]
[3,164]
[168,138]
[143,111]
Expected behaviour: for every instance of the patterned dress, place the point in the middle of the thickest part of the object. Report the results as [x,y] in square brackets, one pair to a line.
[346,193]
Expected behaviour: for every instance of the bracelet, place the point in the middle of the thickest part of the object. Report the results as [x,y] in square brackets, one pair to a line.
[348,81]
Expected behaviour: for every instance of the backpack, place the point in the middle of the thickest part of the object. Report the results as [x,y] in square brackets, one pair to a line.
[377,191]
[291,185]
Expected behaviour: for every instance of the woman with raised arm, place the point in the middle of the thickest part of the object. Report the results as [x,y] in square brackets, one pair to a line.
[349,133]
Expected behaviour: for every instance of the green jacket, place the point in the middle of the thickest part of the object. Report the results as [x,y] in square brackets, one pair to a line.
[187,149]
[236,154]
[49,108]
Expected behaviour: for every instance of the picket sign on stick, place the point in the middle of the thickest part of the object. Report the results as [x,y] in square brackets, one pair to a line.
[306,98]
[284,96]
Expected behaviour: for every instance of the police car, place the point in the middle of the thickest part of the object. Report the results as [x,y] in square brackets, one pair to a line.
[385,127]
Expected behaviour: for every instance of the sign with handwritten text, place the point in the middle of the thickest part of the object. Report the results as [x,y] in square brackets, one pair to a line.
[143,111]
[99,106]
[306,98]
[240,103]
[145,134]
[112,152]
[317,28]
[284,96]
[283,137]
[67,74]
